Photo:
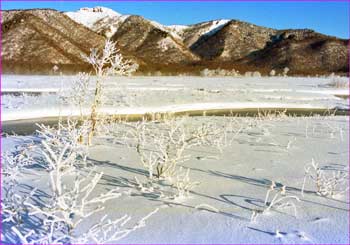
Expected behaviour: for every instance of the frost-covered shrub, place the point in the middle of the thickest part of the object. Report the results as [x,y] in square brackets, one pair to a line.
[330,184]
[205,72]
[183,183]
[71,198]
[162,145]
[218,72]
[256,74]
[78,93]
[158,73]
[272,73]
[221,72]
[168,145]
[12,203]
[278,201]
[248,74]
[67,136]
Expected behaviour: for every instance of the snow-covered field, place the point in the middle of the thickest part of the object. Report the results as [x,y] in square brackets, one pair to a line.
[228,204]
[136,95]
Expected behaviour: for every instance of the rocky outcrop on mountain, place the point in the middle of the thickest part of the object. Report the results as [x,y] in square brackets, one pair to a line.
[36,40]
[233,41]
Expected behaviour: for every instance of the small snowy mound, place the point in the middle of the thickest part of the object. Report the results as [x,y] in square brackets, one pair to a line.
[89,16]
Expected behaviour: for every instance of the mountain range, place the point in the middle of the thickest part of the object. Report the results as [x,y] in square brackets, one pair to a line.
[35,40]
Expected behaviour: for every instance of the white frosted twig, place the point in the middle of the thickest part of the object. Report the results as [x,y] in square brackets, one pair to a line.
[272,188]
[183,183]
[280,200]
[205,206]
[23,238]
[107,231]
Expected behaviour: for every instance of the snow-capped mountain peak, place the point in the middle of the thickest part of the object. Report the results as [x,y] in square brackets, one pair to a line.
[90,16]
[102,10]
[106,21]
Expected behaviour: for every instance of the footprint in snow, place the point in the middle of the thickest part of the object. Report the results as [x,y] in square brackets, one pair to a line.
[319,219]
[303,236]
[285,237]
[280,235]
[294,236]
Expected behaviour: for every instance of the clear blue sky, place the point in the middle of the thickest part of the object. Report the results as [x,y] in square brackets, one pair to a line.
[330,18]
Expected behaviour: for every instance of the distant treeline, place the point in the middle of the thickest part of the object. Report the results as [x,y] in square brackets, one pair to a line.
[193,69]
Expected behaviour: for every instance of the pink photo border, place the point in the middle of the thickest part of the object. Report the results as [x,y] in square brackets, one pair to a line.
[160,1]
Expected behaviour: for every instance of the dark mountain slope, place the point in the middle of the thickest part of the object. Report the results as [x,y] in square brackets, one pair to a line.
[36,40]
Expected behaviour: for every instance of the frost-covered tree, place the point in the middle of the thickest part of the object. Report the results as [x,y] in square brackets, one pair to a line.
[285,71]
[55,68]
[79,92]
[106,63]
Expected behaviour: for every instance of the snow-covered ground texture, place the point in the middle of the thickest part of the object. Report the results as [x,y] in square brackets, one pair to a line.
[228,201]
[31,97]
